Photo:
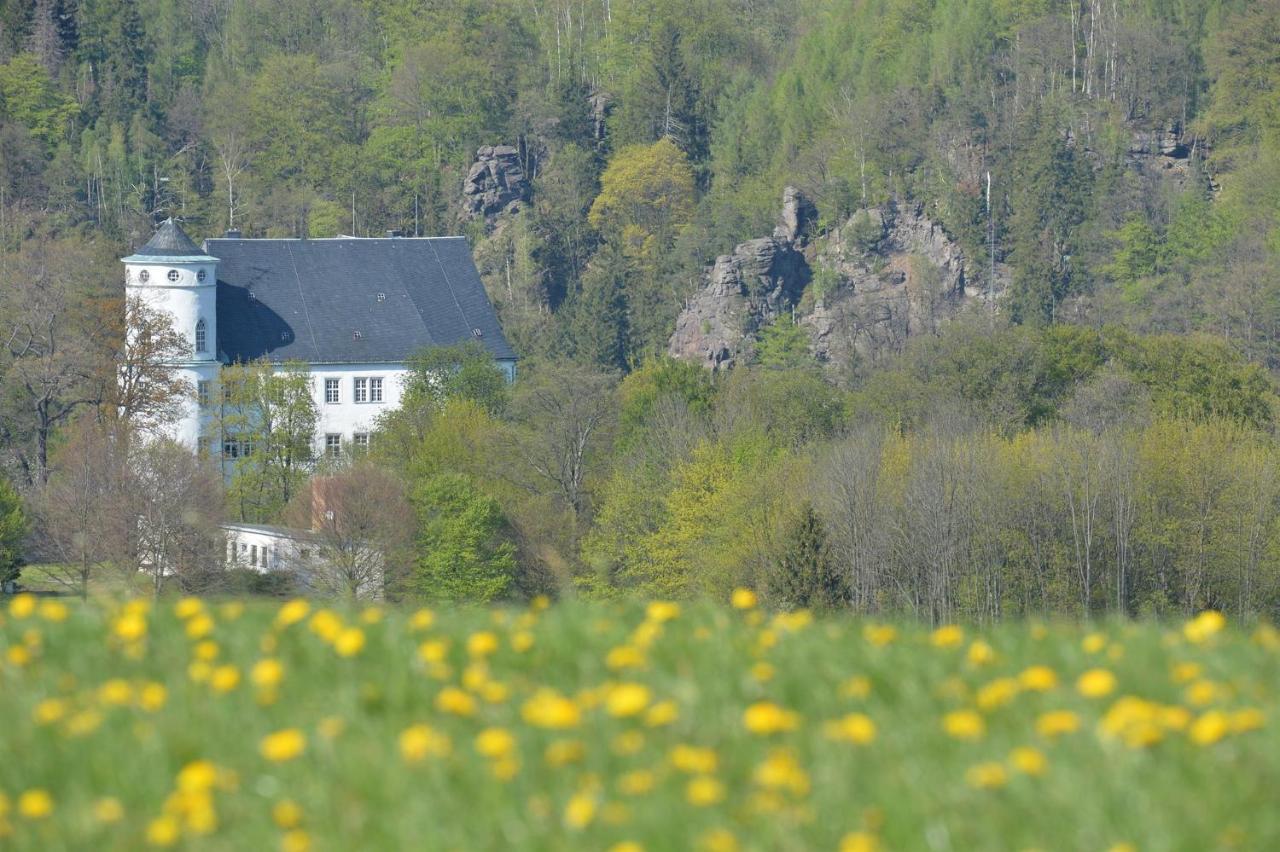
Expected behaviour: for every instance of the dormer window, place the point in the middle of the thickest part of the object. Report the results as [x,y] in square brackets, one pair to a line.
[144,276]
[200,336]
[173,275]
[382,297]
[201,275]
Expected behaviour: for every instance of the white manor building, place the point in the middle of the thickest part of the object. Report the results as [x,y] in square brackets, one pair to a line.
[353,309]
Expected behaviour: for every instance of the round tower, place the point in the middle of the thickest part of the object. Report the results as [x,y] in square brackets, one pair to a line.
[176,277]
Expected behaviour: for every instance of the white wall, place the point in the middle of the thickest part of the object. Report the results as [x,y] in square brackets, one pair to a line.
[348,417]
[258,549]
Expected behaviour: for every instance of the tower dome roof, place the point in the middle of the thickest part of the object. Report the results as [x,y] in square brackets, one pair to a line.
[169,242]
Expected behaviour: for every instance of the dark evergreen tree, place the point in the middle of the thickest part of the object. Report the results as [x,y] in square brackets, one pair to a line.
[806,576]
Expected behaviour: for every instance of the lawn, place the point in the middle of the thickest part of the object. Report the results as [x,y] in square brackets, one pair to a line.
[259,726]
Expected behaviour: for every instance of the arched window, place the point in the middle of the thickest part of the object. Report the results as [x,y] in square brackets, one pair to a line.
[200,341]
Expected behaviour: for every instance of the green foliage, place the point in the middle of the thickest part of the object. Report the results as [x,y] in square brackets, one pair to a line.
[655,380]
[14,527]
[646,197]
[29,97]
[783,345]
[464,553]
[466,371]
[806,576]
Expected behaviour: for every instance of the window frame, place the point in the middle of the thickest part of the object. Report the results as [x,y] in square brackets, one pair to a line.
[334,385]
[173,275]
[202,336]
[360,389]
[375,389]
[203,396]
[333,445]
[360,442]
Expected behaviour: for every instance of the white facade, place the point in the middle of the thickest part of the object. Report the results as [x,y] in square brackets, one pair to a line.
[349,398]
[185,290]
[262,548]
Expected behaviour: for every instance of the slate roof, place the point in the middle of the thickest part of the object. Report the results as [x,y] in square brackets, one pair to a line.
[350,300]
[169,240]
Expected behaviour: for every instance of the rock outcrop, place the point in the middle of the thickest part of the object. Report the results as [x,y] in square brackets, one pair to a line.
[885,275]
[745,290]
[496,184]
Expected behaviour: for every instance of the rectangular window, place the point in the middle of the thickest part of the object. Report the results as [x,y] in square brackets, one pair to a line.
[202,393]
[361,388]
[230,448]
[226,392]
[231,550]
[333,445]
[246,447]
[331,392]
[361,441]
[375,390]
[253,555]
[202,446]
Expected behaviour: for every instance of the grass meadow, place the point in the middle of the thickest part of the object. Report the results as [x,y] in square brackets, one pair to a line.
[630,726]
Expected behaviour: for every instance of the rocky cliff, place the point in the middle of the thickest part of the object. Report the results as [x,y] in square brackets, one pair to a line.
[495,184]
[886,274]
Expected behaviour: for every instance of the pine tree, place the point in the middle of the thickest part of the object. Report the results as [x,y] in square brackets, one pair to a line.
[806,576]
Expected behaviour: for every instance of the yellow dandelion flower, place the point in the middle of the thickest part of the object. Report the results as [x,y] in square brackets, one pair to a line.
[763,671]
[296,840]
[35,804]
[997,693]
[660,611]
[1247,719]
[188,608]
[371,615]
[1096,683]
[326,624]
[627,699]
[505,768]
[580,810]
[482,644]
[163,831]
[563,752]
[349,642]
[206,650]
[108,810]
[743,599]
[1204,626]
[199,626]
[637,782]
[856,687]
[521,641]
[22,606]
[662,713]
[224,678]
[986,776]
[267,673]
[152,696]
[48,711]
[1209,727]
[83,723]
[947,636]
[703,791]
[859,841]
[1202,692]
[130,626]
[855,728]
[1266,636]
[494,692]
[286,813]
[1185,672]
[1028,761]
[1093,643]
[433,650]
[718,840]
[231,610]
[1056,723]
[419,742]
[292,612]
[197,776]
[765,717]
[54,612]
[455,701]
[495,742]
[199,671]
[626,846]
[547,708]
[624,657]
[781,771]
[1122,847]
[283,745]
[18,655]
[981,653]
[964,725]
[1038,679]
[879,634]
[422,620]
[694,759]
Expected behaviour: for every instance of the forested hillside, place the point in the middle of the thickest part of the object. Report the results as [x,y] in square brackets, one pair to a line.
[1024,298]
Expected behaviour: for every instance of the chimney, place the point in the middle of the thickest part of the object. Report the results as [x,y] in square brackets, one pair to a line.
[232,234]
[320,511]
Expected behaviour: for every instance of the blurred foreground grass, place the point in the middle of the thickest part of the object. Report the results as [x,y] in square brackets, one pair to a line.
[253,726]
